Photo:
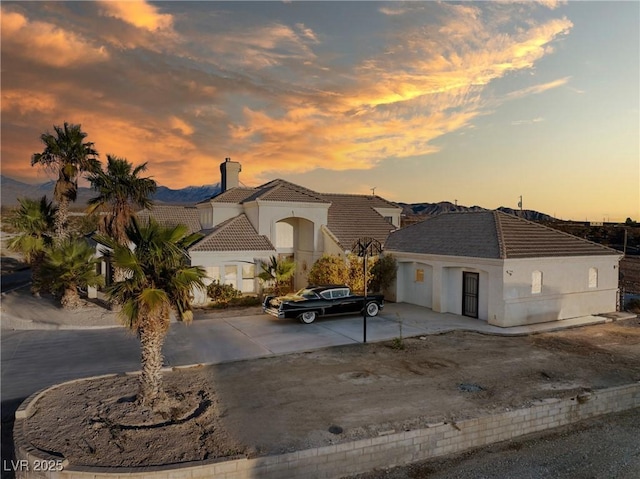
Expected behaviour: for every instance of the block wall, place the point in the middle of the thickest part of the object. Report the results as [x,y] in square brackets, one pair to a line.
[364,455]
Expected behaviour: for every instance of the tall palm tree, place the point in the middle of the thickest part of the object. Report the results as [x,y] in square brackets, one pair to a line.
[120,191]
[34,219]
[279,272]
[158,280]
[70,265]
[67,154]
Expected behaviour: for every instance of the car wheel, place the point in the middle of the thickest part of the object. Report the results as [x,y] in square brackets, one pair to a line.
[372,309]
[307,317]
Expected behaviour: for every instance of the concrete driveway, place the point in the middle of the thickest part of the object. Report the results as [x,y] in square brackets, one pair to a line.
[79,345]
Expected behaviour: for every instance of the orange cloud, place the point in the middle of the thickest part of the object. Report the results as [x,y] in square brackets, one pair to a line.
[536,89]
[26,101]
[431,85]
[47,43]
[138,13]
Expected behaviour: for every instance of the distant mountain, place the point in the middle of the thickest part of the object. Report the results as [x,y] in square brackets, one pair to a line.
[13,189]
[190,194]
[419,211]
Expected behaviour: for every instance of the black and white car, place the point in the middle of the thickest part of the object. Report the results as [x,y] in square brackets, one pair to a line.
[313,301]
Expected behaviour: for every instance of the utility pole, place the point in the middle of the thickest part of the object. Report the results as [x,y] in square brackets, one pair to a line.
[520,204]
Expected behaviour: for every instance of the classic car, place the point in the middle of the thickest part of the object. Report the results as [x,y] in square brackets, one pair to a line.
[314,301]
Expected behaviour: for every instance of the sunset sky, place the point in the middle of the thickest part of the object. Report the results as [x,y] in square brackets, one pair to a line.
[478,102]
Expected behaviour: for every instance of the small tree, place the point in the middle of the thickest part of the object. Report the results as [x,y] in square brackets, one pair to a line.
[278,272]
[34,219]
[383,273]
[68,266]
[158,279]
[356,272]
[329,269]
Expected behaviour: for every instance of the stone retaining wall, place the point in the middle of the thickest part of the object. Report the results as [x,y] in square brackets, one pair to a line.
[353,457]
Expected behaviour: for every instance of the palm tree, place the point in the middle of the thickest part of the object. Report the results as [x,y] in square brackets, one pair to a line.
[158,280]
[70,265]
[120,190]
[278,271]
[34,219]
[67,154]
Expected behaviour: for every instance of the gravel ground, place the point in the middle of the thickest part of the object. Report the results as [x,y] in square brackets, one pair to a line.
[607,447]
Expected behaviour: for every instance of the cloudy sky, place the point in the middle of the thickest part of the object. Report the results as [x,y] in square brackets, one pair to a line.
[478,102]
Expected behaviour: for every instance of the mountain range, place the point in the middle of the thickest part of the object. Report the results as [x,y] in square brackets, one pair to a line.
[13,189]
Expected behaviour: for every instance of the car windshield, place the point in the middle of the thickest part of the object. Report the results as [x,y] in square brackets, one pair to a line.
[307,293]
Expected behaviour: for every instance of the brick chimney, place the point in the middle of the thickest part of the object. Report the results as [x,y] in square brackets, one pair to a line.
[230,174]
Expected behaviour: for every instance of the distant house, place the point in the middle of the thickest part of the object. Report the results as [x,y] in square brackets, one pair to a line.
[502,269]
[244,226]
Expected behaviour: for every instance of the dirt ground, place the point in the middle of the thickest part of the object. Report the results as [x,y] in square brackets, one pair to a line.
[293,402]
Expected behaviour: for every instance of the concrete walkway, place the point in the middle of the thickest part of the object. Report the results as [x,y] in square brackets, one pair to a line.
[22,311]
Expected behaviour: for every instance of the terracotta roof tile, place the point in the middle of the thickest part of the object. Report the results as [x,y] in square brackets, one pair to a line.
[235,234]
[489,234]
[352,217]
[172,215]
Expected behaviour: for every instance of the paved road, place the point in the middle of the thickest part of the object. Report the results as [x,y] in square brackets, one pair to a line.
[32,360]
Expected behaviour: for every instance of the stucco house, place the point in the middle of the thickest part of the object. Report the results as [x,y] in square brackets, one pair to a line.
[245,226]
[502,269]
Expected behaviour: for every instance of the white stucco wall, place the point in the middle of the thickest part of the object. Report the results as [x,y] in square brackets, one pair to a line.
[235,260]
[393,213]
[565,291]
[212,214]
[505,286]
[441,289]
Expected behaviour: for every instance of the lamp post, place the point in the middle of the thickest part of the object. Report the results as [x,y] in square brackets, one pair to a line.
[365,247]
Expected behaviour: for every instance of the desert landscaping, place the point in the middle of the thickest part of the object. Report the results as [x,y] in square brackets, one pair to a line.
[293,402]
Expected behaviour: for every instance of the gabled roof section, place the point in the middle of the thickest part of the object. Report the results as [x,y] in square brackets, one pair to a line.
[172,215]
[490,234]
[235,234]
[233,195]
[352,217]
[281,190]
[525,239]
[450,234]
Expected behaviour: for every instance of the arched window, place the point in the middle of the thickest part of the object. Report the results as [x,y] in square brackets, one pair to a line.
[593,277]
[536,282]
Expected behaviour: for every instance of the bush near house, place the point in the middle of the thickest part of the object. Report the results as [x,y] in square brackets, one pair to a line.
[329,269]
[383,273]
[222,294]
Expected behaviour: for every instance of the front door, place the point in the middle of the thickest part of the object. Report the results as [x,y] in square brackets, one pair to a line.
[470,294]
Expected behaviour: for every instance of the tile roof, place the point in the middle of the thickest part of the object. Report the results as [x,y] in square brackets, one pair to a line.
[172,215]
[489,234]
[352,217]
[281,190]
[234,234]
[233,195]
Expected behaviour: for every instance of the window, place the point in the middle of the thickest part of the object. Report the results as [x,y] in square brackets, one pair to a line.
[419,275]
[536,282]
[248,273]
[339,293]
[231,275]
[593,277]
[213,272]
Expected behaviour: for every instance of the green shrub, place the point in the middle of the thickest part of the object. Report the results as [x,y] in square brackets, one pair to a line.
[222,293]
[329,269]
[383,273]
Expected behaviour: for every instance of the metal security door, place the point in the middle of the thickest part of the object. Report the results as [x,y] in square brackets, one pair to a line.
[470,294]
